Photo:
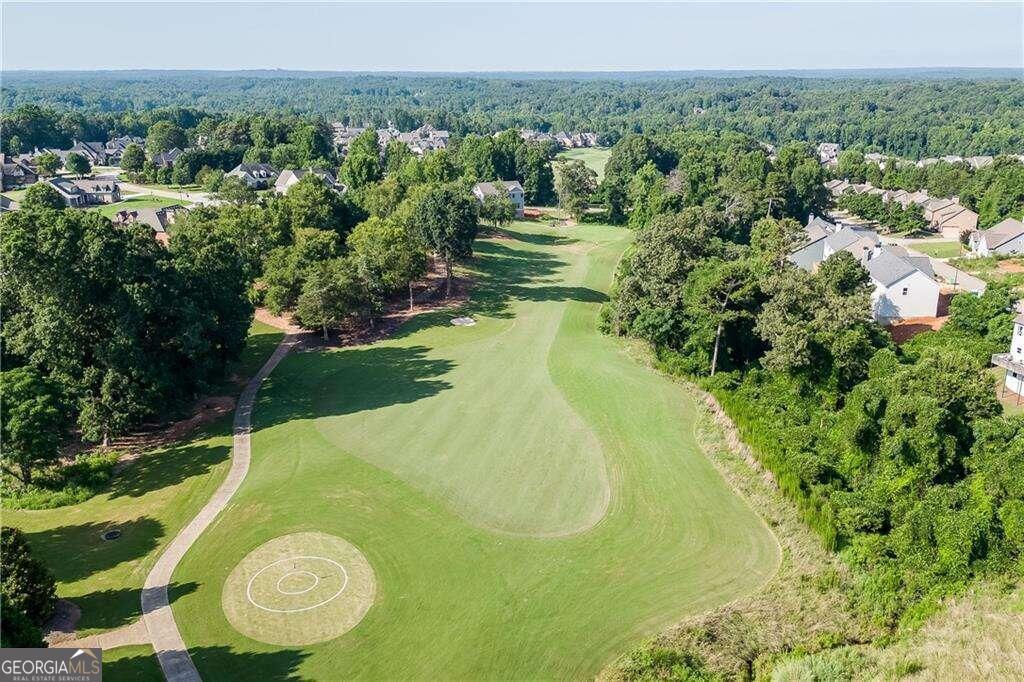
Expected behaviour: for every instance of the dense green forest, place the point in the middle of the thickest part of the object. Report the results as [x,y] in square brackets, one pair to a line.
[908,114]
[899,457]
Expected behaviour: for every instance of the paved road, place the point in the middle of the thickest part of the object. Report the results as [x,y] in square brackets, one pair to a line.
[132,188]
[170,649]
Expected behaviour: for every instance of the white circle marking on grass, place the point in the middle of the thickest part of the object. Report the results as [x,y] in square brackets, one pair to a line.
[314,576]
[344,584]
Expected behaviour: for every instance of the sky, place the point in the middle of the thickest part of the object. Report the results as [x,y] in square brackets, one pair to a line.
[502,36]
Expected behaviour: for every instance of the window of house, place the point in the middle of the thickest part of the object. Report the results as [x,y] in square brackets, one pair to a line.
[905,291]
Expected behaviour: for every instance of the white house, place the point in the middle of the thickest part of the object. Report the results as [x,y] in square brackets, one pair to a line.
[1013,362]
[905,283]
[289,178]
[482,190]
[1002,239]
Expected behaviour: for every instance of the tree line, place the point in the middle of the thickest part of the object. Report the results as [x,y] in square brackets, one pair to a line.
[908,116]
[898,456]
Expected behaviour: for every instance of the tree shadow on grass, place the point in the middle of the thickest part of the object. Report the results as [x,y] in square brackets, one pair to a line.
[169,466]
[77,551]
[109,609]
[353,380]
[214,663]
[537,238]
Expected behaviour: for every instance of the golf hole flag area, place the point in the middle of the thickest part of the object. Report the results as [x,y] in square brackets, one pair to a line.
[299,589]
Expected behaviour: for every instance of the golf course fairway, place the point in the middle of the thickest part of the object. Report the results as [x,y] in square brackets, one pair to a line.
[531,500]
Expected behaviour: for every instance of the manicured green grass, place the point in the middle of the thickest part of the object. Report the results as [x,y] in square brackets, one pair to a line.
[532,500]
[144,201]
[595,158]
[131,663]
[938,249]
[149,501]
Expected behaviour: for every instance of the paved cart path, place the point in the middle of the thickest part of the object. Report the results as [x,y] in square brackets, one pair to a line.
[170,649]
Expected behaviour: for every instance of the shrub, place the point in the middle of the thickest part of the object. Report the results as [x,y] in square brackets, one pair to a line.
[26,584]
[59,486]
[17,630]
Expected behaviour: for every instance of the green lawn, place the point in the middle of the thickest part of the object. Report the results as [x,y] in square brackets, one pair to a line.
[937,249]
[594,157]
[15,194]
[131,663]
[143,201]
[149,501]
[532,500]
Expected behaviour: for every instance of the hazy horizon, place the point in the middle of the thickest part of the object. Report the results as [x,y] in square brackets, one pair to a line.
[503,37]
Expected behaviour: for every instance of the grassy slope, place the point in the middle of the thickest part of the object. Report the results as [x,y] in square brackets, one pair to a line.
[145,201]
[388,445]
[938,249]
[149,502]
[595,158]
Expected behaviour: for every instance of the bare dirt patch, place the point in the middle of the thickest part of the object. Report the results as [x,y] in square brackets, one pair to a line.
[904,330]
[1010,266]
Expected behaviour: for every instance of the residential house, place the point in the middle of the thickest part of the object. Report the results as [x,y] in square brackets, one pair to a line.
[924,163]
[166,159]
[952,158]
[343,134]
[255,175]
[78,193]
[482,190]
[828,153]
[1003,239]
[94,152]
[115,148]
[574,140]
[952,220]
[15,173]
[288,178]
[905,284]
[533,136]
[157,219]
[424,139]
[977,162]
[1013,362]
[837,187]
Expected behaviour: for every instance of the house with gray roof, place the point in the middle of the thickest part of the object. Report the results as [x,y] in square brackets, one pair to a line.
[1003,239]
[255,175]
[905,283]
[115,148]
[482,190]
[85,192]
[94,152]
[166,159]
[15,173]
[157,219]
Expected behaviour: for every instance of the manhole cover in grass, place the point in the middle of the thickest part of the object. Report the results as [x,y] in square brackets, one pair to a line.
[112,534]
[299,589]
[463,321]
